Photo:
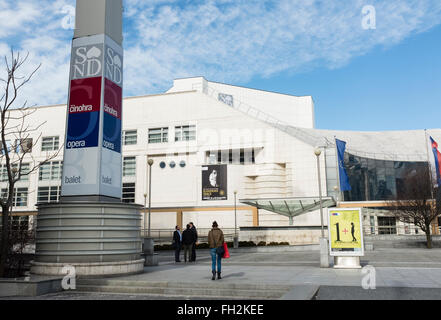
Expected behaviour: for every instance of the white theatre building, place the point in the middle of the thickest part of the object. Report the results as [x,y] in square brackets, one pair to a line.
[264,142]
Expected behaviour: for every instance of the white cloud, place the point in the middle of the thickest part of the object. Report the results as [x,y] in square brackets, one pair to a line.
[223,40]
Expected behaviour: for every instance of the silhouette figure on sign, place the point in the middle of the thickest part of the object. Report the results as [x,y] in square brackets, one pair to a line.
[352,232]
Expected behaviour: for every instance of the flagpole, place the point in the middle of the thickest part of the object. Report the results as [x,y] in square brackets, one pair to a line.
[429,164]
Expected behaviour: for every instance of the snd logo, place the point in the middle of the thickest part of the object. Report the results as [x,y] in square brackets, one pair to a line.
[87,62]
[114,66]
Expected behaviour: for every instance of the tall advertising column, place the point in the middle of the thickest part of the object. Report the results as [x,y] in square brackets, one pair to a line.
[92,156]
[90,229]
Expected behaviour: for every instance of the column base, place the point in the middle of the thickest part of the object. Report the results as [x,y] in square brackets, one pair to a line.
[89,269]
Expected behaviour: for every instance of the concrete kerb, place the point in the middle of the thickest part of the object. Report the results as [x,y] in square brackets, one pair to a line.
[301,292]
[32,286]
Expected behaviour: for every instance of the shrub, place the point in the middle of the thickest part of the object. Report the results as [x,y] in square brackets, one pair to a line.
[246,244]
[261,244]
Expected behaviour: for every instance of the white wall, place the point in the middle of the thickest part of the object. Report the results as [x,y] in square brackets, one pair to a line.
[219,127]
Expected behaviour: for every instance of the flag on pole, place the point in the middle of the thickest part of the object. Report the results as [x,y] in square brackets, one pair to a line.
[344,180]
[435,162]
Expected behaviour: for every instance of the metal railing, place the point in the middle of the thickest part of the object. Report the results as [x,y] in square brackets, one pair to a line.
[392,230]
[165,236]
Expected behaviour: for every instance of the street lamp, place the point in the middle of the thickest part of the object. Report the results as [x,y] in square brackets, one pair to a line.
[236,238]
[318,152]
[150,163]
[324,259]
[145,212]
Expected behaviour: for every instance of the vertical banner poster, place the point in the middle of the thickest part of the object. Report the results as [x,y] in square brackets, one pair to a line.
[214,182]
[345,232]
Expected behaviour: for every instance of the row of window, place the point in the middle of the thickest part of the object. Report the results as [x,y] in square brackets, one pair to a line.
[242,156]
[156,135]
[25,145]
[160,135]
[52,170]
[53,194]
[20,146]
[24,171]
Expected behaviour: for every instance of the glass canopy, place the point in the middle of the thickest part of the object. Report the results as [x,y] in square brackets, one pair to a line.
[290,207]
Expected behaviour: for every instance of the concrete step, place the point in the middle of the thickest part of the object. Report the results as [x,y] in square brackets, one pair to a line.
[212,290]
[177,284]
[207,292]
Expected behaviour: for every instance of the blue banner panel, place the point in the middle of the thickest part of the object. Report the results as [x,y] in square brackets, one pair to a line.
[344,180]
[112,133]
[83,130]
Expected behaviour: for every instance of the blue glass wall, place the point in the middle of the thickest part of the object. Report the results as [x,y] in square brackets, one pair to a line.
[373,179]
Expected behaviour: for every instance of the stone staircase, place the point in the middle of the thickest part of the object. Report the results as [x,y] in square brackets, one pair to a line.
[185,290]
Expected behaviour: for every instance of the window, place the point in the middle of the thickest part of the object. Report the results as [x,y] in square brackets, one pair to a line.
[24,169]
[185,133]
[50,143]
[129,166]
[19,223]
[372,223]
[20,197]
[4,174]
[158,135]
[51,170]
[242,156]
[226,98]
[130,137]
[23,145]
[387,225]
[372,179]
[128,192]
[49,194]
[8,146]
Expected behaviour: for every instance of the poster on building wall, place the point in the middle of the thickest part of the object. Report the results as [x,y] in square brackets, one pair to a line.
[345,232]
[214,182]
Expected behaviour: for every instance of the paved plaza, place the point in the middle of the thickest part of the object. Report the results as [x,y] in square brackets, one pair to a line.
[399,274]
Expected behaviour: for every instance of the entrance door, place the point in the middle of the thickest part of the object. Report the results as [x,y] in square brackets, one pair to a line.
[387,225]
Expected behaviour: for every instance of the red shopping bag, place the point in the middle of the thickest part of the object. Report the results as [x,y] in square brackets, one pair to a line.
[226,253]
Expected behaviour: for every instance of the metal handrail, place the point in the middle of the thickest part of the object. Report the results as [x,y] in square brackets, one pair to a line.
[165,236]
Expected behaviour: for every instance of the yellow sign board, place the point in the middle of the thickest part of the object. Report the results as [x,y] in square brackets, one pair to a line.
[345,232]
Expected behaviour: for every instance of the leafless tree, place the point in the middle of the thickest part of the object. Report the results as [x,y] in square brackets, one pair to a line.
[416,201]
[18,137]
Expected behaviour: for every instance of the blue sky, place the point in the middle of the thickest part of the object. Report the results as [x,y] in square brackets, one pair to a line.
[397,88]
[388,78]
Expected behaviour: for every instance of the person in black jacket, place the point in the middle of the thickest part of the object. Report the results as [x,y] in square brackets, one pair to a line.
[177,242]
[188,240]
[193,249]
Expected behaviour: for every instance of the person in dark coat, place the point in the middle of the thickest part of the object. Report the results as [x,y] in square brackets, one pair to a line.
[193,249]
[177,243]
[215,240]
[188,240]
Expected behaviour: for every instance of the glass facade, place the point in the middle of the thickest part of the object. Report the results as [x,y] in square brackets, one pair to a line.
[370,179]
